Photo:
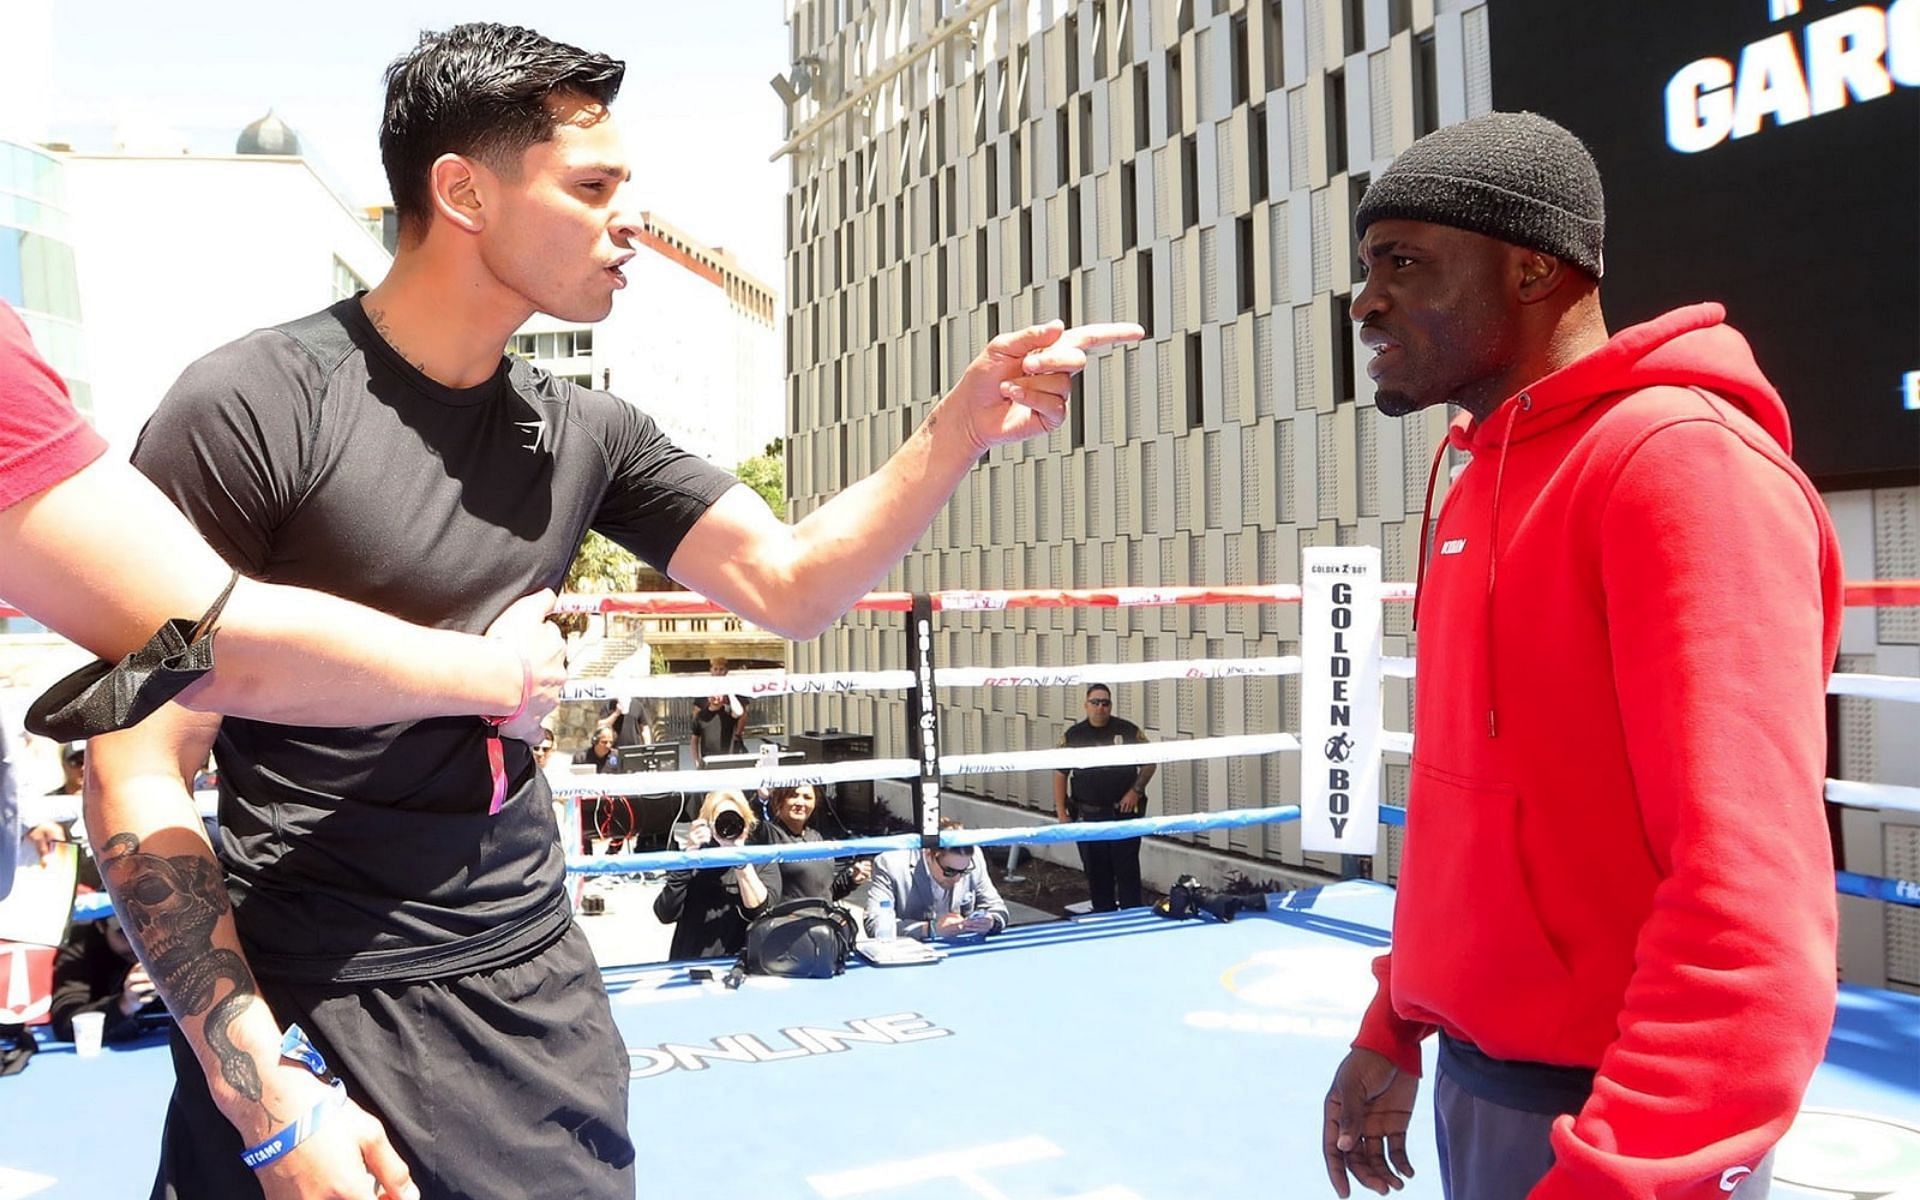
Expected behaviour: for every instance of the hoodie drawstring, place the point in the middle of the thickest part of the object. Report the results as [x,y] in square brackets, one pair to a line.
[1523,402]
[1426,517]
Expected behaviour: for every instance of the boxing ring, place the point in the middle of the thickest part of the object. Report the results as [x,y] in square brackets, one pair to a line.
[1112,1057]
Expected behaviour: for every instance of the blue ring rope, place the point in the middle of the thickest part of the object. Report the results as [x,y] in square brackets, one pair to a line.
[93,906]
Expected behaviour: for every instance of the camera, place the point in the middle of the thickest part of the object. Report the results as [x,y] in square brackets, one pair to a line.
[728,825]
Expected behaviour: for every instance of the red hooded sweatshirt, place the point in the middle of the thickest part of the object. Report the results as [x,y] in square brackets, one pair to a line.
[1617,854]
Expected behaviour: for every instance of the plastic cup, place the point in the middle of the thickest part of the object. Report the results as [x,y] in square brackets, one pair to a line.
[88,1029]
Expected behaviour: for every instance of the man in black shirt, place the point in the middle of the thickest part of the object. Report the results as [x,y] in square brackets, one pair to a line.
[1114,793]
[396,890]
[719,722]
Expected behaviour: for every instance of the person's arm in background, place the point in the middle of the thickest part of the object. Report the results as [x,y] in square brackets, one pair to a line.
[78,987]
[103,558]
[1721,581]
[672,900]
[884,884]
[1134,802]
[172,898]
[1060,811]
[758,883]
[797,579]
[986,897]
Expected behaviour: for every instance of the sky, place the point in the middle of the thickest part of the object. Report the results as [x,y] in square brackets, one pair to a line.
[699,118]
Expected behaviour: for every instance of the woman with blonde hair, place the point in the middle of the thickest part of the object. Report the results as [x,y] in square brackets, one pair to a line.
[710,907]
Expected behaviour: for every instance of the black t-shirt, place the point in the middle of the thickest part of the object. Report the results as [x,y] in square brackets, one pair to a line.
[1101,787]
[714,727]
[313,454]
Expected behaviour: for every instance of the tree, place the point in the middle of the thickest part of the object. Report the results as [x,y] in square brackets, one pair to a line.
[766,474]
[601,566]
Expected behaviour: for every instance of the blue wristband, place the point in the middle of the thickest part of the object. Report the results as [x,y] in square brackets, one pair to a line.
[295,1047]
[283,1142]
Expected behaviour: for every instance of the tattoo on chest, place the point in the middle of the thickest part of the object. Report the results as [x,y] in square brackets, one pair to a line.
[170,907]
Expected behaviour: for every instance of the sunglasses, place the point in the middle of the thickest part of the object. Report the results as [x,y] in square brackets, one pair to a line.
[950,869]
[1101,703]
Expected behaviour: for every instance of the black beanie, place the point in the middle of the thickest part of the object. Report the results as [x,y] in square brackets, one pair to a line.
[1514,176]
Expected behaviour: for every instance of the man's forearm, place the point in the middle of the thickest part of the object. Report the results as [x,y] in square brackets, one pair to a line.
[171,897]
[105,559]
[797,579]
[355,666]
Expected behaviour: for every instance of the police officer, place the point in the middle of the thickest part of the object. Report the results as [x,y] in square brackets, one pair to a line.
[1105,794]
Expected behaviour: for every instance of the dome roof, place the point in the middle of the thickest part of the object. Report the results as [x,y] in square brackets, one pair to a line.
[268,135]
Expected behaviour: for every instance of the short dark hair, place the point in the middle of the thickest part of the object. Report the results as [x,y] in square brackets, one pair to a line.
[480,90]
[1099,687]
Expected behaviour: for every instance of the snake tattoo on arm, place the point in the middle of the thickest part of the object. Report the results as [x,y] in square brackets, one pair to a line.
[169,907]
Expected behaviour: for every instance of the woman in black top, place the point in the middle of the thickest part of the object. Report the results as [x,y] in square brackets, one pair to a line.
[790,813]
[710,908]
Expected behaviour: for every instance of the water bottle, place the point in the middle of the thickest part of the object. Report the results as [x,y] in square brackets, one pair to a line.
[883,921]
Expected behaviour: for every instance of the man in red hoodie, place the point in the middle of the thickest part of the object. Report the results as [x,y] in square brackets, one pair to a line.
[1616,899]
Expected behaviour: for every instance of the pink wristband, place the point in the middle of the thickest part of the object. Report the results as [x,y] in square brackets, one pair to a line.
[526,694]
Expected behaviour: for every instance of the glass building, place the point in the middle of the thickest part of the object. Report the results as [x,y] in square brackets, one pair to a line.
[36,261]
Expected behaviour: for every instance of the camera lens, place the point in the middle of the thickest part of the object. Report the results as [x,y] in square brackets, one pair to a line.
[729,824]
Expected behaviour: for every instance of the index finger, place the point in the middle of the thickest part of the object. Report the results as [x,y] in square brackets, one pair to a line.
[1336,1161]
[1112,333]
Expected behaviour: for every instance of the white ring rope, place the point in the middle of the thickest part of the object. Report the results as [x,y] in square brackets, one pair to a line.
[737,779]
[1885,797]
[649,783]
[1141,672]
[1126,755]
[757,684]
[1876,687]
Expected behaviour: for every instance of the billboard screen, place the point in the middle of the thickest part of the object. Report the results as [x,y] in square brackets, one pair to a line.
[1765,154]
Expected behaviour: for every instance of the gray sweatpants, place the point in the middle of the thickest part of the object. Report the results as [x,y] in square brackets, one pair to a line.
[1490,1152]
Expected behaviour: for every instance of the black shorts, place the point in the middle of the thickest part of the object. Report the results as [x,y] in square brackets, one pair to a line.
[506,1082]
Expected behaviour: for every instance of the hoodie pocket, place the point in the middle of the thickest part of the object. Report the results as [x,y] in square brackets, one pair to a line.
[1469,949]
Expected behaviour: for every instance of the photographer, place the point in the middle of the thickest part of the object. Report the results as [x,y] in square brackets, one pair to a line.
[711,907]
[96,971]
[790,819]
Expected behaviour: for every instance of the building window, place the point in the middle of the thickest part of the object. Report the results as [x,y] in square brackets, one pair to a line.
[1336,122]
[1174,120]
[1426,86]
[1276,47]
[1129,207]
[345,282]
[1195,403]
[1073,229]
[1257,153]
[1062,147]
[1243,247]
[1399,16]
[1086,133]
[1142,108]
[1342,350]
[1072,24]
[979,266]
[1026,247]
[1240,66]
[1143,288]
[1189,182]
[1355,31]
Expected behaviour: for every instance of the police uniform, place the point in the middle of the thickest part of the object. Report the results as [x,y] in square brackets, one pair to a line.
[1094,794]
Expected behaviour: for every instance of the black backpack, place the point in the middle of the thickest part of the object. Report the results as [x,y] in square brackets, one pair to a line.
[800,939]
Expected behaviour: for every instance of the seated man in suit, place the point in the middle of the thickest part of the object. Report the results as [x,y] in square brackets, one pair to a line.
[938,893]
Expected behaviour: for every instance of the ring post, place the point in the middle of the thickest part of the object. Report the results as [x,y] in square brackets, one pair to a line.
[1340,641]
[923,720]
